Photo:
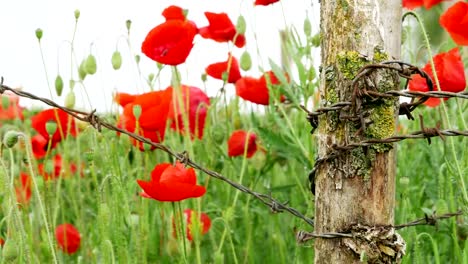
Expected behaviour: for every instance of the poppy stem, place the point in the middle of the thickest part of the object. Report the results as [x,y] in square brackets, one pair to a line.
[178,214]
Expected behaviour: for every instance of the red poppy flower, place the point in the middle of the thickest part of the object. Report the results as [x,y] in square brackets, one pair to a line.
[237,144]
[205,223]
[265,2]
[2,242]
[152,120]
[170,42]
[23,191]
[174,12]
[216,70]
[450,72]
[412,4]
[39,146]
[9,107]
[68,238]
[196,104]
[256,90]
[65,125]
[455,21]
[52,169]
[221,29]
[172,183]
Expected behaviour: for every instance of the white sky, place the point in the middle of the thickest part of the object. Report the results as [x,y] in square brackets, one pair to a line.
[102,23]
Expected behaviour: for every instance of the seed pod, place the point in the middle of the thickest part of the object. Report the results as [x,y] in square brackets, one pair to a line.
[116,60]
[77,14]
[82,71]
[245,61]
[39,34]
[128,24]
[58,85]
[241,25]
[90,65]
[70,100]
[137,111]
[51,127]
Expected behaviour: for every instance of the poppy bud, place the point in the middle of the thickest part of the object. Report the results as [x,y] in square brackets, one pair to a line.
[90,65]
[137,111]
[51,127]
[10,138]
[245,61]
[307,27]
[203,77]
[82,70]
[77,14]
[116,60]
[70,100]
[241,25]
[128,24]
[10,251]
[59,85]
[39,34]
[150,77]
[137,58]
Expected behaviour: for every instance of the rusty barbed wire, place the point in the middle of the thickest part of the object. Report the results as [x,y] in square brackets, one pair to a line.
[405,70]
[304,236]
[95,121]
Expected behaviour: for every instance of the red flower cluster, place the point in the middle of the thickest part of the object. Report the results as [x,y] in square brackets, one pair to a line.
[171,183]
[9,107]
[450,73]
[256,90]
[68,238]
[242,142]
[205,222]
[455,21]
[412,4]
[171,42]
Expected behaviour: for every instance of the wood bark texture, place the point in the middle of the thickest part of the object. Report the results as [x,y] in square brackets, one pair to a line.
[358,187]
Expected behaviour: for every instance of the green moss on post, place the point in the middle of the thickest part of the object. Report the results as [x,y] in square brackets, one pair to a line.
[350,62]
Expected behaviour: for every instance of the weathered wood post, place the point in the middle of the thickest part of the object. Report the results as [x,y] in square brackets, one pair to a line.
[358,186]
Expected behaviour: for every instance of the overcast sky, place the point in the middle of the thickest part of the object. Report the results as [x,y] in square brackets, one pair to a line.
[101,29]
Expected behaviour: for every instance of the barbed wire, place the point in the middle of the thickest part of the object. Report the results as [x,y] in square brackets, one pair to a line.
[95,121]
[304,236]
[356,103]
